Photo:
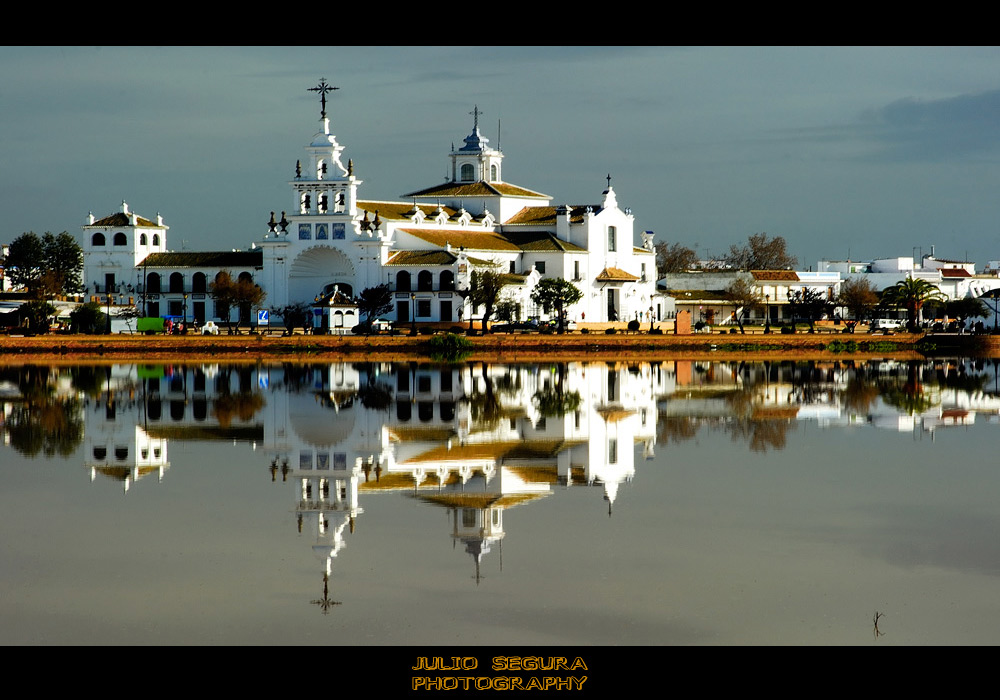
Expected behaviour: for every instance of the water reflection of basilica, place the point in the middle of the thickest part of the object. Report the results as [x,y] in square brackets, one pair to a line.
[478,440]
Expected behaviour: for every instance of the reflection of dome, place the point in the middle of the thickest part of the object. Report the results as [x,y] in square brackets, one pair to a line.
[319,426]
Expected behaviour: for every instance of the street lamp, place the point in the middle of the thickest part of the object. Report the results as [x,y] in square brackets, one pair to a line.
[767,313]
[184,318]
[413,313]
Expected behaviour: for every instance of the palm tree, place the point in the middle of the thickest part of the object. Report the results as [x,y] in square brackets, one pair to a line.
[911,294]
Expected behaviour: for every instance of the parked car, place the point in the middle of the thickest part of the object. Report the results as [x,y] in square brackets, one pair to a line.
[887,324]
[380,325]
[210,329]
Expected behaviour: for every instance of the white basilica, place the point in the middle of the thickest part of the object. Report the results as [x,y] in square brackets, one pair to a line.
[329,245]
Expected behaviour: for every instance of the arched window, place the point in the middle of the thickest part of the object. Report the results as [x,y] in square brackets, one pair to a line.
[493,173]
[425,281]
[121,239]
[448,281]
[153,283]
[468,172]
[198,283]
[156,239]
[176,282]
[142,239]
[403,281]
[245,277]
[97,239]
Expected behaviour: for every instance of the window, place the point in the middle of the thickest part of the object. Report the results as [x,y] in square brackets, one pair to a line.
[540,266]
[425,281]
[97,239]
[642,275]
[403,281]
[468,172]
[121,239]
[153,283]
[156,239]
[447,281]
[176,282]
[198,283]
[494,174]
[142,239]
[611,239]
[576,270]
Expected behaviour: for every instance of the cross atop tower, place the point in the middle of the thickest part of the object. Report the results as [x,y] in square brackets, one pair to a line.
[609,179]
[322,89]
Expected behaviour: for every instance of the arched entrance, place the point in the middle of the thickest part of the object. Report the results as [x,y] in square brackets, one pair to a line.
[316,269]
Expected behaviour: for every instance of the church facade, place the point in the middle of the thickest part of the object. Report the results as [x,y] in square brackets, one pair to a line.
[330,244]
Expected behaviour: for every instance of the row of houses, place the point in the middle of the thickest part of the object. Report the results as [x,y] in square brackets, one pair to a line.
[704,292]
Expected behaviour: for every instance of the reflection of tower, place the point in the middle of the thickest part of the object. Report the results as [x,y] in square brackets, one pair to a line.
[478,528]
[327,503]
[115,447]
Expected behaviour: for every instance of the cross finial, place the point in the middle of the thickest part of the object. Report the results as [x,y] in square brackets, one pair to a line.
[322,89]
[475,117]
[609,180]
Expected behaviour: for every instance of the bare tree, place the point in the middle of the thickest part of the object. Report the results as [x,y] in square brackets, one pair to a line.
[744,296]
[761,253]
[674,258]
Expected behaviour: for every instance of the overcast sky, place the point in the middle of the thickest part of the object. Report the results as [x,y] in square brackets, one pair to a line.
[860,152]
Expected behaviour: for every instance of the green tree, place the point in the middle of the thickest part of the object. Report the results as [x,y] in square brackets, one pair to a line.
[911,294]
[88,318]
[294,316]
[556,293]
[373,302]
[45,266]
[808,304]
[761,253]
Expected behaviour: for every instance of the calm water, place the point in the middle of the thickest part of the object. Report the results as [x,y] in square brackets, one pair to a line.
[583,504]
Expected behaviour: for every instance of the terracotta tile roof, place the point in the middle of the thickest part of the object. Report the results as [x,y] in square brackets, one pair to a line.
[685,296]
[120,220]
[775,275]
[470,240]
[421,257]
[613,274]
[955,272]
[400,210]
[546,216]
[219,259]
[541,241]
[476,189]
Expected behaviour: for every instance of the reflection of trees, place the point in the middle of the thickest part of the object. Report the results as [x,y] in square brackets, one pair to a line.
[555,401]
[909,396]
[42,423]
[859,395]
[242,404]
[751,423]
[676,428]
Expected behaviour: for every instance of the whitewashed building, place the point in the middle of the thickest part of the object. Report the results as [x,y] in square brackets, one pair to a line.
[425,248]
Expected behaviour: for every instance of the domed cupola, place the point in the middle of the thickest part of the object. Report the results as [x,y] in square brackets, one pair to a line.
[476,161]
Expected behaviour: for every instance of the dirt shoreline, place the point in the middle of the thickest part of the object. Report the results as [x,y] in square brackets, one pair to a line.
[496,347]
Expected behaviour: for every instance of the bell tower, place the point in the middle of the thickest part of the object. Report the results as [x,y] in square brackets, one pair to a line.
[324,188]
[476,161]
